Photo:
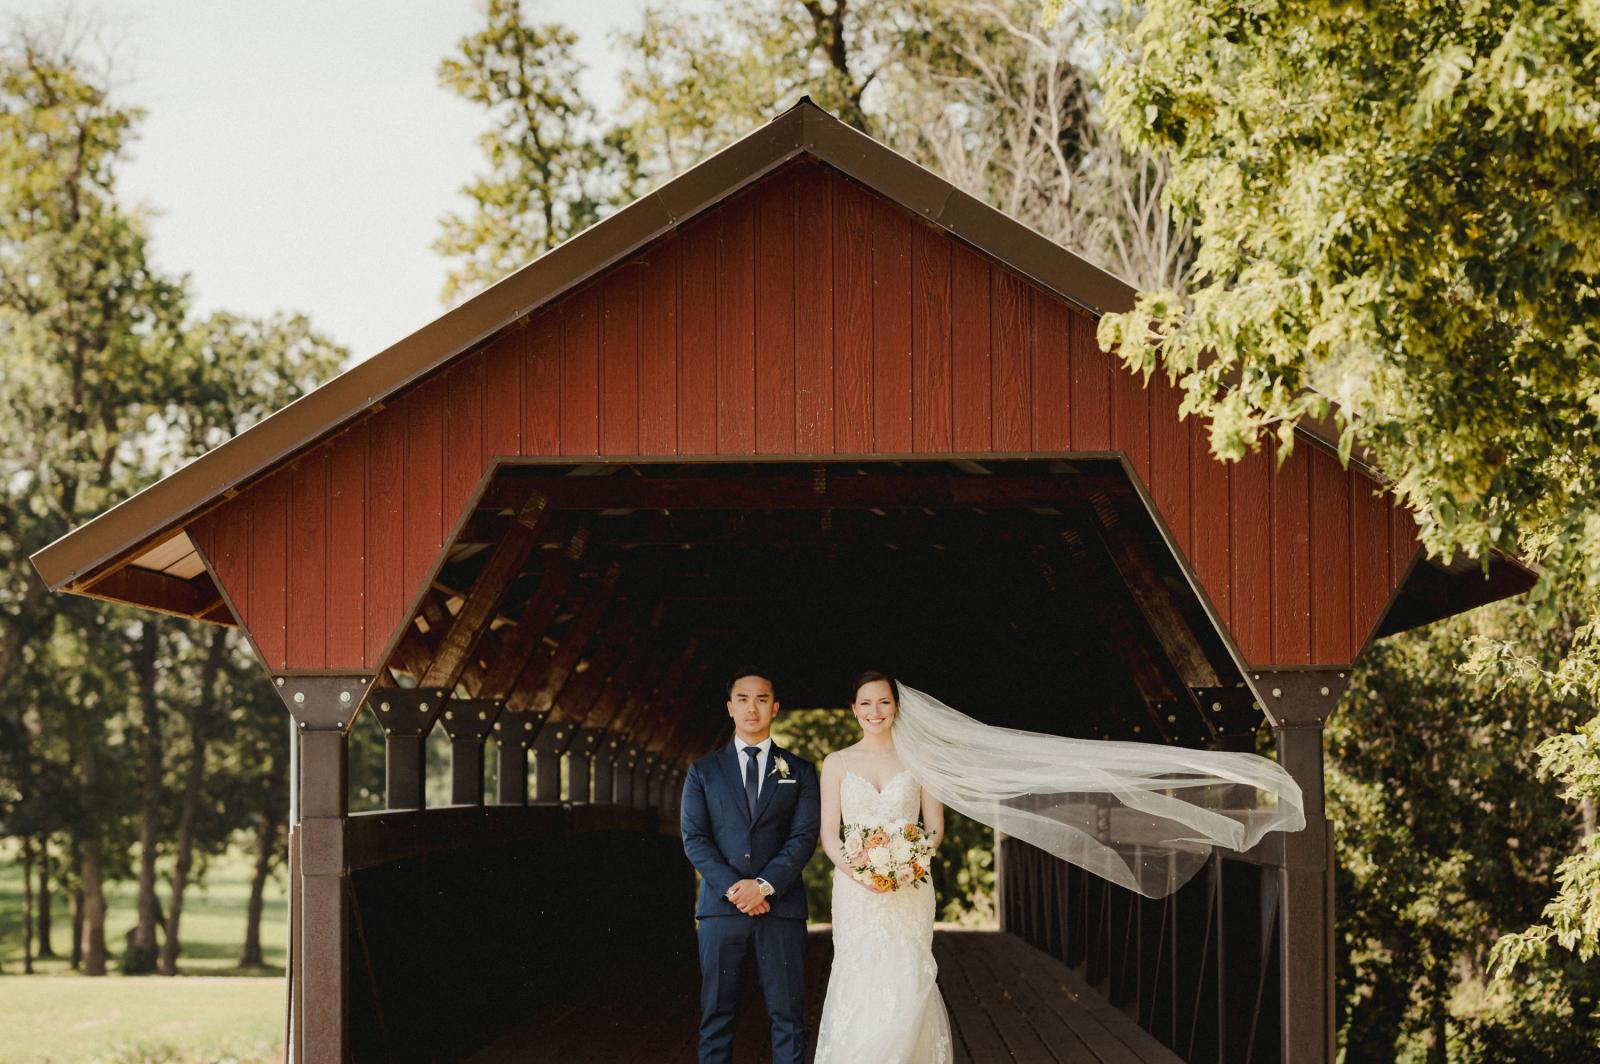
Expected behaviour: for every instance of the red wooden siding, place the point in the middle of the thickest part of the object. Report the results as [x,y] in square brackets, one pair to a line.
[804,316]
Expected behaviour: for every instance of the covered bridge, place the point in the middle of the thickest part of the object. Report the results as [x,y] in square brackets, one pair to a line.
[809,404]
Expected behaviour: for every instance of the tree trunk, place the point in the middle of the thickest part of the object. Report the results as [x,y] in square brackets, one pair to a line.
[45,949]
[27,904]
[92,943]
[200,711]
[76,961]
[1439,1015]
[266,840]
[142,951]
[92,939]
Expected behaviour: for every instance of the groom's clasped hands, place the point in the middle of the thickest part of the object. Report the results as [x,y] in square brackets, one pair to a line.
[746,895]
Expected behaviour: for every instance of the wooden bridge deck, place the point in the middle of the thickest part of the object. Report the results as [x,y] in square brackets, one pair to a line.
[1007,1002]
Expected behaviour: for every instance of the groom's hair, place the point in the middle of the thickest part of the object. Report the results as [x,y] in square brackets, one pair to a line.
[871,675]
[751,670]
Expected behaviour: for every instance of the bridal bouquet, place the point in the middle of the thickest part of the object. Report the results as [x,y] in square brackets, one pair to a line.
[888,856]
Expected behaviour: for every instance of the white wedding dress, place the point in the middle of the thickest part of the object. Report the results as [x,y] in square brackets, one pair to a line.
[883,1004]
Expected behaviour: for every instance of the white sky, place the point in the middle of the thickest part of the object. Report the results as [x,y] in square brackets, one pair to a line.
[298,153]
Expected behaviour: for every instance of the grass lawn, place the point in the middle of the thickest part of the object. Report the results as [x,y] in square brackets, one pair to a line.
[214,1011]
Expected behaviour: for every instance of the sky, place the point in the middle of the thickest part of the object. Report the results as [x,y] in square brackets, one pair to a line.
[297,155]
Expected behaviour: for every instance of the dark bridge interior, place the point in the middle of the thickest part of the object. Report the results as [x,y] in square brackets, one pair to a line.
[1037,594]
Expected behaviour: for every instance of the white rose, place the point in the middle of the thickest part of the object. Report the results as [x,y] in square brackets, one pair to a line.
[879,858]
[900,850]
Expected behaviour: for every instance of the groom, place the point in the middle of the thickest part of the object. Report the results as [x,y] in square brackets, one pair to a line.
[750,818]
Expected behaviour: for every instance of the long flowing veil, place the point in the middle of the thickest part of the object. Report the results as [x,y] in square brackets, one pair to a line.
[1143,816]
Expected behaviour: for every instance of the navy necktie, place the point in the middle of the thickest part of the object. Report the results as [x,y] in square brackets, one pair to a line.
[750,783]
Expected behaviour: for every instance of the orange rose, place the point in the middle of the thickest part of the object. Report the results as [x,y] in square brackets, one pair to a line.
[882,883]
[877,838]
[911,833]
[917,871]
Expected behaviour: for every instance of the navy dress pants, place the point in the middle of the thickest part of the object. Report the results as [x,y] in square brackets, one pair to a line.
[778,944]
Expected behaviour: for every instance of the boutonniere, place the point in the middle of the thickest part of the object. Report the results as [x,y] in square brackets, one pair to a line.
[780,766]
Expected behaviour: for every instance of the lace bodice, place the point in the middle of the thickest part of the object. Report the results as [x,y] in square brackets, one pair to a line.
[861,802]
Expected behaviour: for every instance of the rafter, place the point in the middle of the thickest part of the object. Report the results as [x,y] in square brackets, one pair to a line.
[471,621]
[547,673]
[519,644]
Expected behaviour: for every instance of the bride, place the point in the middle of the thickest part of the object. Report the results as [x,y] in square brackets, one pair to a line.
[1143,816]
[883,1004]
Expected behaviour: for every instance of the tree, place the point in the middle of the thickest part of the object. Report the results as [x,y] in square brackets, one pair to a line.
[980,93]
[1446,839]
[86,324]
[1398,215]
[550,171]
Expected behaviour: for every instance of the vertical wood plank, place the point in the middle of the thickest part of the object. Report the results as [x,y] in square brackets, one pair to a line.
[852,342]
[580,372]
[891,329]
[697,342]
[1008,362]
[1170,464]
[969,349]
[658,350]
[269,576]
[736,327]
[385,529]
[1291,560]
[1331,642]
[502,394]
[1402,540]
[775,316]
[930,339]
[1369,554]
[422,411]
[1212,545]
[306,629]
[541,383]
[1091,388]
[1250,530]
[226,545]
[1051,372]
[347,483]
[463,441]
[1130,419]
[814,300]
[619,363]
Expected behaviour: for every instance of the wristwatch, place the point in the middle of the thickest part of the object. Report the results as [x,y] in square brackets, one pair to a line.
[766,888]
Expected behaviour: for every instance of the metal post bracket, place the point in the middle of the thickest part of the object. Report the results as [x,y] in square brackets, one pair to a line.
[323,702]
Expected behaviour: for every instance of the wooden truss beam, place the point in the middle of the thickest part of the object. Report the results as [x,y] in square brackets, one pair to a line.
[482,601]
[542,681]
[518,646]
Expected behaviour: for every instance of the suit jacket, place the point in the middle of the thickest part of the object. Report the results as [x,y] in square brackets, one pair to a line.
[726,844]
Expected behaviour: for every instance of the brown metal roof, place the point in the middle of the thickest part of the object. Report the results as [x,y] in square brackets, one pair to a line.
[141,525]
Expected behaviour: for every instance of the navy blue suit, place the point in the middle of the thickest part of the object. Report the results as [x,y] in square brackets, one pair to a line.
[726,843]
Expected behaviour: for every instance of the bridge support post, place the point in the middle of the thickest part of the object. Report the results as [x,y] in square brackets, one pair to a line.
[513,734]
[580,759]
[1299,703]
[324,708]
[406,715]
[468,722]
[551,742]
[605,770]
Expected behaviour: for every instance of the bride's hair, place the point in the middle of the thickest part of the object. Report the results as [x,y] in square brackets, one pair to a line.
[870,676]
